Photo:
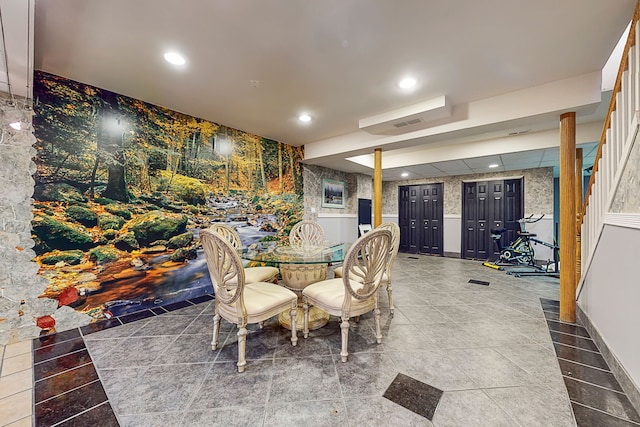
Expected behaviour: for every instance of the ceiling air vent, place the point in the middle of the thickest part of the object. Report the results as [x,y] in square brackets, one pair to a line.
[407,119]
[519,132]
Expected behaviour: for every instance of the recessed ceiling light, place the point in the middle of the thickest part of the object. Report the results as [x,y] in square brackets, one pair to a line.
[16,125]
[304,118]
[404,174]
[494,165]
[174,58]
[407,83]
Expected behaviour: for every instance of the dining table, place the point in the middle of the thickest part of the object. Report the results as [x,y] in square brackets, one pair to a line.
[300,265]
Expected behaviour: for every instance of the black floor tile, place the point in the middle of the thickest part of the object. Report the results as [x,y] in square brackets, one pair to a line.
[580,356]
[551,315]
[479,282]
[200,299]
[47,340]
[574,341]
[414,395]
[59,349]
[139,315]
[101,416]
[587,417]
[552,302]
[68,405]
[616,404]
[100,326]
[65,381]
[60,364]
[568,328]
[590,375]
[159,310]
[177,305]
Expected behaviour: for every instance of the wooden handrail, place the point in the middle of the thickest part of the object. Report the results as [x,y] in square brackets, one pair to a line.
[624,64]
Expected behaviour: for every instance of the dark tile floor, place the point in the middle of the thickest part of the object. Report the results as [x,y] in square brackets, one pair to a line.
[454,354]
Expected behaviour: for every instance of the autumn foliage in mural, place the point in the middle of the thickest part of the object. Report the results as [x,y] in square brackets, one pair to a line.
[123,187]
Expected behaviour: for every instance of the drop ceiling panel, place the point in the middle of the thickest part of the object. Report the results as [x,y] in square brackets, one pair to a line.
[479,162]
[452,166]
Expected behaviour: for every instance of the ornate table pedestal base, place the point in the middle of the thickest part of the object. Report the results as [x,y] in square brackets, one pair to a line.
[296,277]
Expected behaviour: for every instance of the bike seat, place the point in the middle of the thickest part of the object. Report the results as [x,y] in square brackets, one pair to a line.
[498,230]
[525,234]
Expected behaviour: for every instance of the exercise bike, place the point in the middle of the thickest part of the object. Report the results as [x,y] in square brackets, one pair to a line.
[521,252]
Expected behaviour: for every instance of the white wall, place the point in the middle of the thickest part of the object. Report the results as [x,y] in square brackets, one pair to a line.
[610,295]
[339,227]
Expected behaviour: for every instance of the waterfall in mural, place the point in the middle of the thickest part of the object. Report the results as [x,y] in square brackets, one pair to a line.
[123,188]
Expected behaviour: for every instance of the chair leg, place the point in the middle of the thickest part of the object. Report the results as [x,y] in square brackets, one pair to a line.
[216,331]
[242,348]
[294,333]
[390,294]
[376,316]
[344,326]
[305,329]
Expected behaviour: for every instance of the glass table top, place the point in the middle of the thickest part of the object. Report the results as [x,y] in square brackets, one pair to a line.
[278,253]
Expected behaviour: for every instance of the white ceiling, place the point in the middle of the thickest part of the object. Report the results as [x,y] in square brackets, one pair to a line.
[338,60]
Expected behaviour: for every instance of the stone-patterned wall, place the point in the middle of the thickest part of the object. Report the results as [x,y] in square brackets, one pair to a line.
[365,186]
[20,285]
[627,199]
[538,190]
[312,176]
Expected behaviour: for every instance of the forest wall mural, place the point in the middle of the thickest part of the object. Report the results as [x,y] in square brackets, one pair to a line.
[123,188]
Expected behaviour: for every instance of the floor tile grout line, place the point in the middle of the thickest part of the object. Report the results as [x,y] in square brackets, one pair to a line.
[80,413]
[573,335]
[596,385]
[497,405]
[604,412]
[578,348]
[68,391]
[34,350]
[588,366]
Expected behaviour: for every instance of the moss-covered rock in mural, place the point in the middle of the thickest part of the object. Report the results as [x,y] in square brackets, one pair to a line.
[104,254]
[71,257]
[119,211]
[84,216]
[180,241]
[183,254]
[156,225]
[110,222]
[126,242]
[110,234]
[58,193]
[58,235]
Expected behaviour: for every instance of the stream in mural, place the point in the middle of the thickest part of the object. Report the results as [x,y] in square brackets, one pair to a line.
[123,188]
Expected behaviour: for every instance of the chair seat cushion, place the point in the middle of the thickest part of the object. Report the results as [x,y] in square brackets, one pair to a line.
[261,297]
[257,274]
[338,273]
[331,293]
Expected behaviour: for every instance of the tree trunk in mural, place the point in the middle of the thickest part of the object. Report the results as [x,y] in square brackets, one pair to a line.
[112,141]
[280,181]
[261,164]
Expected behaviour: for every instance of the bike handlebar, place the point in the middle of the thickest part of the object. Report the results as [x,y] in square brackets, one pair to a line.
[528,219]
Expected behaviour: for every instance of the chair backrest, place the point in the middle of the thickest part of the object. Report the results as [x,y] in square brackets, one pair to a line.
[365,264]
[224,266]
[228,232]
[363,228]
[395,243]
[306,232]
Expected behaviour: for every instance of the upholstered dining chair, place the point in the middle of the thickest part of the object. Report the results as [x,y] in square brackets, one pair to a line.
[306,232]
[251,274]
[366,260]
[393,253]
[239,302]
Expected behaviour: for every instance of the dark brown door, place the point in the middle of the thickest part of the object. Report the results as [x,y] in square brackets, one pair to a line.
[487,205]
[403,217]
[432,215]
[420,215]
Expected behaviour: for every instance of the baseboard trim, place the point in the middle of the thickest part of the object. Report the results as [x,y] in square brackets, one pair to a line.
[627,384]
[452,254]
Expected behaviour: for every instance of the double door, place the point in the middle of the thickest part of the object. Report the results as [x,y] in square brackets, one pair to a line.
[420,214]
[487,205]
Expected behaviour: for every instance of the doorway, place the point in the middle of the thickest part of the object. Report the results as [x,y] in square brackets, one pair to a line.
[420,216]
[487,205]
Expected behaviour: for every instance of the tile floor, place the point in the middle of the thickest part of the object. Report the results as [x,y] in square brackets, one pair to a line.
[455,354]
